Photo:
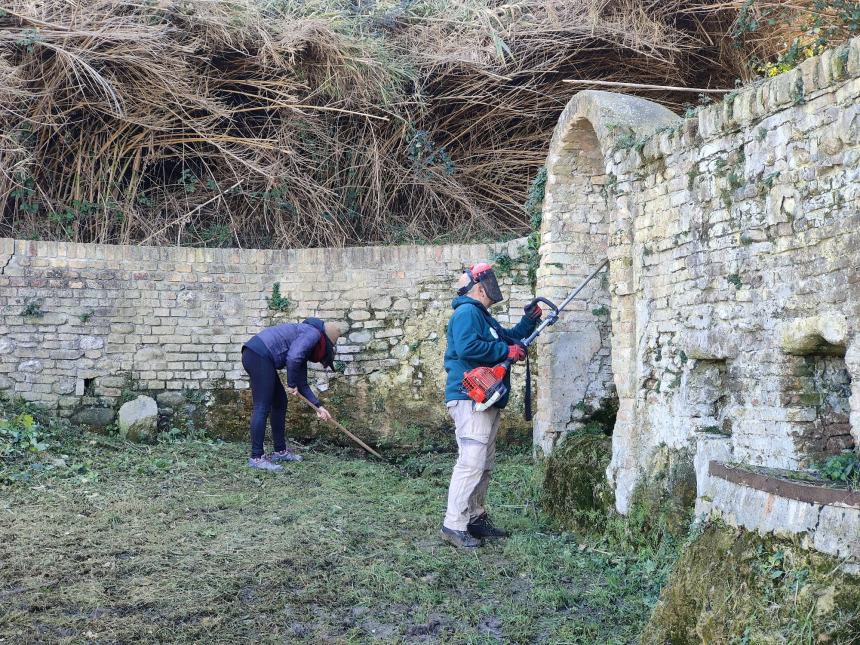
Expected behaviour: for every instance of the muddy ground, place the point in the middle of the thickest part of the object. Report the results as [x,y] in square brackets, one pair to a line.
[112,542]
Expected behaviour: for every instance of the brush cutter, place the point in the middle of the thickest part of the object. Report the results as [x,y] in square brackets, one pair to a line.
[485,385]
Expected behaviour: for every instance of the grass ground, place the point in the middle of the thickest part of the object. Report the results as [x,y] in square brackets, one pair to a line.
[107,541]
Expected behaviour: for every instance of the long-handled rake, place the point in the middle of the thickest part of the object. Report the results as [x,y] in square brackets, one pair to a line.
[347,432]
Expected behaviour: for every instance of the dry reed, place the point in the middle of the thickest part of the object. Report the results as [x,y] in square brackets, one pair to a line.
[345,122]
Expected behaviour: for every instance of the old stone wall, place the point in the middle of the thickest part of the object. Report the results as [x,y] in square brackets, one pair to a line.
[80,325]
[734,284]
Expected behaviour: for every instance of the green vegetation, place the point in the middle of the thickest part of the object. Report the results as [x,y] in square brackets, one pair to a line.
[769,181]
[534,212]
[27,434]
[629,141]
[503,263]
[21,434]
[600,419]
[181,542]
[130,390]
[808,30]
[844,467]
[798,92]
[278,302]
[610,188]
[728,585]
[575,491]
[186,430]
[658,524]
[32,308]
[577,495]
[735,180]
[692,174]
[731,586]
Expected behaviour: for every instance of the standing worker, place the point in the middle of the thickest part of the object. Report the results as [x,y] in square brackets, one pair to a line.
[291,345]
[476,339]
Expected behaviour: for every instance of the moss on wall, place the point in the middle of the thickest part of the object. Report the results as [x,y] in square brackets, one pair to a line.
[392,419]
[226,414]
[667,494]
[575,490]
[389,418]
[577,495]
[733,586]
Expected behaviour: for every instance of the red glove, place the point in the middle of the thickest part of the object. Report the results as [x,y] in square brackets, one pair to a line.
[516,353]
[534,312]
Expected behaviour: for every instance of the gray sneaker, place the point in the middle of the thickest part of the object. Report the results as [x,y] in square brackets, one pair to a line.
[285,455]
[264,463]
[460,539]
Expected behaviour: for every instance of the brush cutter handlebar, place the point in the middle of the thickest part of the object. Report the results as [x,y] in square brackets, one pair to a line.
[553,316]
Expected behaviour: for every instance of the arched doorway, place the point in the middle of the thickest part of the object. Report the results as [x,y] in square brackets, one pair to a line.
[574,359]
[587,362]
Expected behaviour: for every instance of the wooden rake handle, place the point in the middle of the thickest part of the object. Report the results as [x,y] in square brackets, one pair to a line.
[347,432]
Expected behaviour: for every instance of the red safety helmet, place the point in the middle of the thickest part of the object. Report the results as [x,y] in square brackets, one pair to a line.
[482,273]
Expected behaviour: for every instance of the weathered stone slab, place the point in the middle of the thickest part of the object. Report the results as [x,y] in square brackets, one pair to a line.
[827,519]
[97,418]
[138,419]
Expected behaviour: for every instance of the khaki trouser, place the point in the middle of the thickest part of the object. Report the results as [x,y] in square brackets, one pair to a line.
[476,454]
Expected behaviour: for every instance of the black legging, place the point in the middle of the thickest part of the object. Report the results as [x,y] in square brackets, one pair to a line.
[268,395]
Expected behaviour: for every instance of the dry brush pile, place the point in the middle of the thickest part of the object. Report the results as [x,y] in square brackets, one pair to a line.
[276,123]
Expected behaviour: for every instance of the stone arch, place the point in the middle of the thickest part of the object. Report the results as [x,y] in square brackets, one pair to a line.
[587,360]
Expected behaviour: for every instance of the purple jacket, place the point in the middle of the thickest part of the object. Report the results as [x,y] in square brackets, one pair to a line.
[291,346]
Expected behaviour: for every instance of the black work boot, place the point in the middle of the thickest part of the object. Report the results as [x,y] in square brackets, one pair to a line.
[482,528]
[460,539]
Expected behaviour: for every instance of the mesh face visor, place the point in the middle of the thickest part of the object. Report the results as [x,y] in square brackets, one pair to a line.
[484,275]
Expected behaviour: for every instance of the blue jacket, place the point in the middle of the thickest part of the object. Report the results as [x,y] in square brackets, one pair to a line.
[476,339]
[290,345]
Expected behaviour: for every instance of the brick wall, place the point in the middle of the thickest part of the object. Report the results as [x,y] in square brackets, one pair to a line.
[80,323]
[734,288]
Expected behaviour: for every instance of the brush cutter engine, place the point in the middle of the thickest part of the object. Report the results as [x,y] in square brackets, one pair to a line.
[485,385]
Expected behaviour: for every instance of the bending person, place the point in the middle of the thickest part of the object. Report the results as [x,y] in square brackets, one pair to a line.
[291,345]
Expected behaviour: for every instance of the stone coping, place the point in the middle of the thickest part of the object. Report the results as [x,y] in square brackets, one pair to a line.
[799,491]
[378,257]
[750,104]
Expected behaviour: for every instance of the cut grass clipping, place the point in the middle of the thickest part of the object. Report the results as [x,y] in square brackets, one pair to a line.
[181,542]
[107,541]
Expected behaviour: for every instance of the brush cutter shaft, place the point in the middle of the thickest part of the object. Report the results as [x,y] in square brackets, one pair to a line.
[553,316]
